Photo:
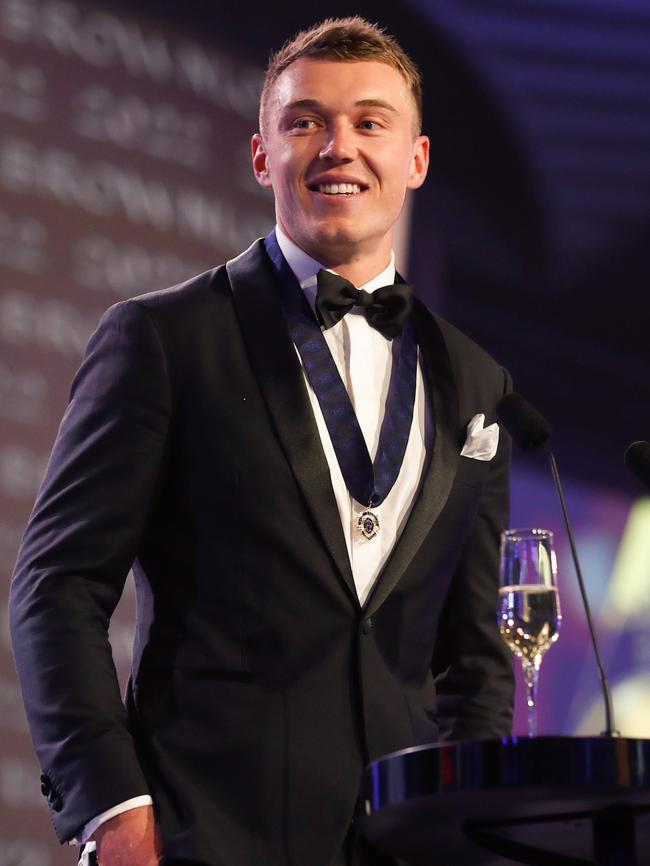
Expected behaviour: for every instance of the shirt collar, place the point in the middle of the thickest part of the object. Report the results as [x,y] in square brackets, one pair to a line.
[305,268]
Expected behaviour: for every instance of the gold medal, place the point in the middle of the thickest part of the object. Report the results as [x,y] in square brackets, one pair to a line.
[368,524]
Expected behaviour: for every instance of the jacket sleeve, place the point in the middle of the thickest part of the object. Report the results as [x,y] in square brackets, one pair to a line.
[79,545]
[471,663]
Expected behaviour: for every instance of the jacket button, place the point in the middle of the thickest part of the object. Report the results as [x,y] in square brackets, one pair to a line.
[46,785]
[367,625]
[56,803]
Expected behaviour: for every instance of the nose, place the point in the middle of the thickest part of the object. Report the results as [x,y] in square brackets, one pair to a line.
[339,143]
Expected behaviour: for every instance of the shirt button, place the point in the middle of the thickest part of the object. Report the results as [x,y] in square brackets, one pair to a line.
[367,625]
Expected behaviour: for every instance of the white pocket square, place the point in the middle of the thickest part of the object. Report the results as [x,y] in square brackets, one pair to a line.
[481,442]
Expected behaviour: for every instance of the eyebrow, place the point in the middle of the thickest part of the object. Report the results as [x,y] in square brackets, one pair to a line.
[371,102]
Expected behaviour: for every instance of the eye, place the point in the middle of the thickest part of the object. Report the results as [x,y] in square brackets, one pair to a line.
[370,125]
[303,123]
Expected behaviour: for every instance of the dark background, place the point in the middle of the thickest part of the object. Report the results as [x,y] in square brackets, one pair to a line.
[124,133]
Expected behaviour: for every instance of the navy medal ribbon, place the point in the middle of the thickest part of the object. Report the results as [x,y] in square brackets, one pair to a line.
[369,483]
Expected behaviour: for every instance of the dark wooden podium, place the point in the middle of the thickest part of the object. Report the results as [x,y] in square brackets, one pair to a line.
[556,801]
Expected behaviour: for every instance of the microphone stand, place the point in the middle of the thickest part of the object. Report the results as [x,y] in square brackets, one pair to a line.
[609,708]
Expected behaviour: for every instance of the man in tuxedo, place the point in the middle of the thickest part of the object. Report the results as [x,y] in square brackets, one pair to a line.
[305,472]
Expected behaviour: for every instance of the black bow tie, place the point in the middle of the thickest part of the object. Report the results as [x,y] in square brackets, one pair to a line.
[386,309]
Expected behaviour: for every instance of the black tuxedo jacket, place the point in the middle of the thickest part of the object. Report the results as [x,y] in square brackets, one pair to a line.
[260,686]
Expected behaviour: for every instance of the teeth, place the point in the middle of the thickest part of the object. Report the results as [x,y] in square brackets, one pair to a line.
[339,188]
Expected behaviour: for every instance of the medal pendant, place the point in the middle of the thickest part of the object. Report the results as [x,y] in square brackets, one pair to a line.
[368,524]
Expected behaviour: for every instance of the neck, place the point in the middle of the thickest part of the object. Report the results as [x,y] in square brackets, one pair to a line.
[357,272]
[357,265]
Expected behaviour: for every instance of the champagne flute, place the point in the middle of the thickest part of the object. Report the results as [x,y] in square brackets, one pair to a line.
[529,614]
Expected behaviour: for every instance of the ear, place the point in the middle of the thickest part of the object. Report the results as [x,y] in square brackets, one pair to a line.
[419,162]
[260,161]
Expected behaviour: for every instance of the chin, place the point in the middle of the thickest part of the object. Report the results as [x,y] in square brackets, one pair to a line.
[337,235]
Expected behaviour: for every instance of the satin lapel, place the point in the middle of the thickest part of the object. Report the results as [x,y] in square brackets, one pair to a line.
[280,377]
[441,469]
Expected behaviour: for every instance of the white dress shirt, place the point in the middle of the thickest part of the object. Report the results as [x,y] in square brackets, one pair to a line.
[364,360]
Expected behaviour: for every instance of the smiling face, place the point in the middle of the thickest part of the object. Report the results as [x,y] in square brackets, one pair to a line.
[339,152]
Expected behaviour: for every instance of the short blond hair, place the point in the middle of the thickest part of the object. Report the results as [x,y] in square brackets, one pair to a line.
[348,40]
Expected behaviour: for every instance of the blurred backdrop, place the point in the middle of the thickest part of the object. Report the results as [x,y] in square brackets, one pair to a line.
[124,167]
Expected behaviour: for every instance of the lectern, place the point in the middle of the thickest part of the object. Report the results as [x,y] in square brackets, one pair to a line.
[543,801]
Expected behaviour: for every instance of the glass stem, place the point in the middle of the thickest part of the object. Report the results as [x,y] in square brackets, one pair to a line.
[531,675]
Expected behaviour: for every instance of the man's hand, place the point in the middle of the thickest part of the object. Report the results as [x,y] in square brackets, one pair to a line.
[129,839]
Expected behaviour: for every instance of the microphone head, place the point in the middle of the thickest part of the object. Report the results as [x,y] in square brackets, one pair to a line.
[637,460]
[528,427]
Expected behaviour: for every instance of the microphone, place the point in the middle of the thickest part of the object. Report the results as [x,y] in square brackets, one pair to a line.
[528,427]
[532,432]
[637,460]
